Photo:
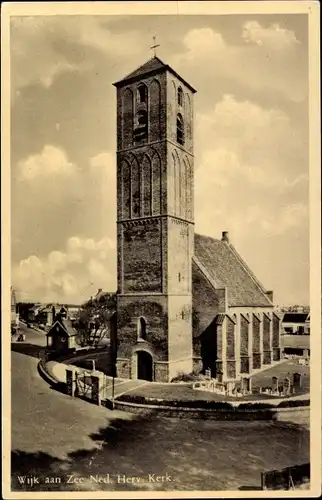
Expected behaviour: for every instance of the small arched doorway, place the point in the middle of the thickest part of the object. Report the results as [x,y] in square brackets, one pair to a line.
[145,365]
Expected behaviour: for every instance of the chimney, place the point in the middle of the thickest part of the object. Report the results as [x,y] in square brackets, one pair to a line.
[269,294]
[225,236]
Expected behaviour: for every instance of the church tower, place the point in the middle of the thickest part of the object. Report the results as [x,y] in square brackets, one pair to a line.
[154,223]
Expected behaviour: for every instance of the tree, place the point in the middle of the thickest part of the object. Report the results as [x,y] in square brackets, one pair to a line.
[93,319]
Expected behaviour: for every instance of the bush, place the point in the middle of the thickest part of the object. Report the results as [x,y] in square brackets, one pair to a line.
[255,406]
[294,403]
[188,377]
[184,377]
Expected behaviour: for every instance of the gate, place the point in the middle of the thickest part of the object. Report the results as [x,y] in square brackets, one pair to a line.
[83,385]
[87,387]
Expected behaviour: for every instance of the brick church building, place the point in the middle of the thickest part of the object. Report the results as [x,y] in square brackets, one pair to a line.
[185,302]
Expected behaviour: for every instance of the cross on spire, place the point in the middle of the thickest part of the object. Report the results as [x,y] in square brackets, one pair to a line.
[154,46]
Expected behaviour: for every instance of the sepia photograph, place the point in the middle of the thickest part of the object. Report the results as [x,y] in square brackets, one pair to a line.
[160,232]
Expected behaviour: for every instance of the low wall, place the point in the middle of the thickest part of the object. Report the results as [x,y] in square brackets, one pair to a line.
[55,373]
[272,414]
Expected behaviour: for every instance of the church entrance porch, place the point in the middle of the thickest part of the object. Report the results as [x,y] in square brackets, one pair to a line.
[144,364]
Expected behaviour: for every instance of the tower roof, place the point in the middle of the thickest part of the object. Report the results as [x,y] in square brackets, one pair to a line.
[152,66]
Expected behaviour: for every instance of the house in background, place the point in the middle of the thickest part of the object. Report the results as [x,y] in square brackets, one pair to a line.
[296,334]
[62,337]
[72,310]
[307,326]
[295,323]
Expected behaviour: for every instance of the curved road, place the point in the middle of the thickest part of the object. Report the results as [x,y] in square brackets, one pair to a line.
[64,439]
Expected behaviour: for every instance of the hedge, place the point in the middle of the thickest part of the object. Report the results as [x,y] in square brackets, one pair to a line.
[175,403]
[210,405]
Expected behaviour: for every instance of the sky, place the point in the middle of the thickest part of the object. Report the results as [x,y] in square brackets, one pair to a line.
[251,143]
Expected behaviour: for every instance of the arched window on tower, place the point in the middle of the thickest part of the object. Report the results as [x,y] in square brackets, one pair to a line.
[141,126]
[180,96]
[142,94]
[180,130]
[141,328]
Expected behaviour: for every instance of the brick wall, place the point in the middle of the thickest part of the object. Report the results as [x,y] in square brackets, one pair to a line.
[206,301]
[230,334]
[180,183]
[154,310]
[219,341]
[179,257]
[141,245]
[230,369]
[161,372]
[244,339]
[173,109]
[123,368]
[244,364]
[127,107]
[267,339]
[256,342]
[180,332]
[256,334]
[276,340]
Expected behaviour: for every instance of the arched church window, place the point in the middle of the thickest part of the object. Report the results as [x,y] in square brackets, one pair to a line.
[180,130]
[142,328]
[141,125]
[142,94]
[180,96]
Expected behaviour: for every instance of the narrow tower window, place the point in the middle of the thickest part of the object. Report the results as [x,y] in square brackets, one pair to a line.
[180,130]
[142,94]
[141,126]
[142,328]
[180,96]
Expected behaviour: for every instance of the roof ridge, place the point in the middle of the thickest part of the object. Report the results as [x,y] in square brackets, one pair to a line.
[150,66]
[141,66]
[208,237]
[248,270]
[205,273]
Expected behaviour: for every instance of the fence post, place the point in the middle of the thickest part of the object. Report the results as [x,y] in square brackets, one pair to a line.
[70,382]
[95,387]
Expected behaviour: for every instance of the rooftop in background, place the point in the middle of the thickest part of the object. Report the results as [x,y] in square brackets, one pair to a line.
[295,317]
[152,66]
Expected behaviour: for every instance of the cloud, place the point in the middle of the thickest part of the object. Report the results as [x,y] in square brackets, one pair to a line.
[104,160]
[290,217]
[264,60]
[203,41]
[58,44]
[274,36]
[242,138]
[249,179]
[70,275]
[50,162]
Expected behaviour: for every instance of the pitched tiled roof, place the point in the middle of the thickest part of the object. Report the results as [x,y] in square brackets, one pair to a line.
[227,269]
[294,317]
[66,325]
[152,65]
